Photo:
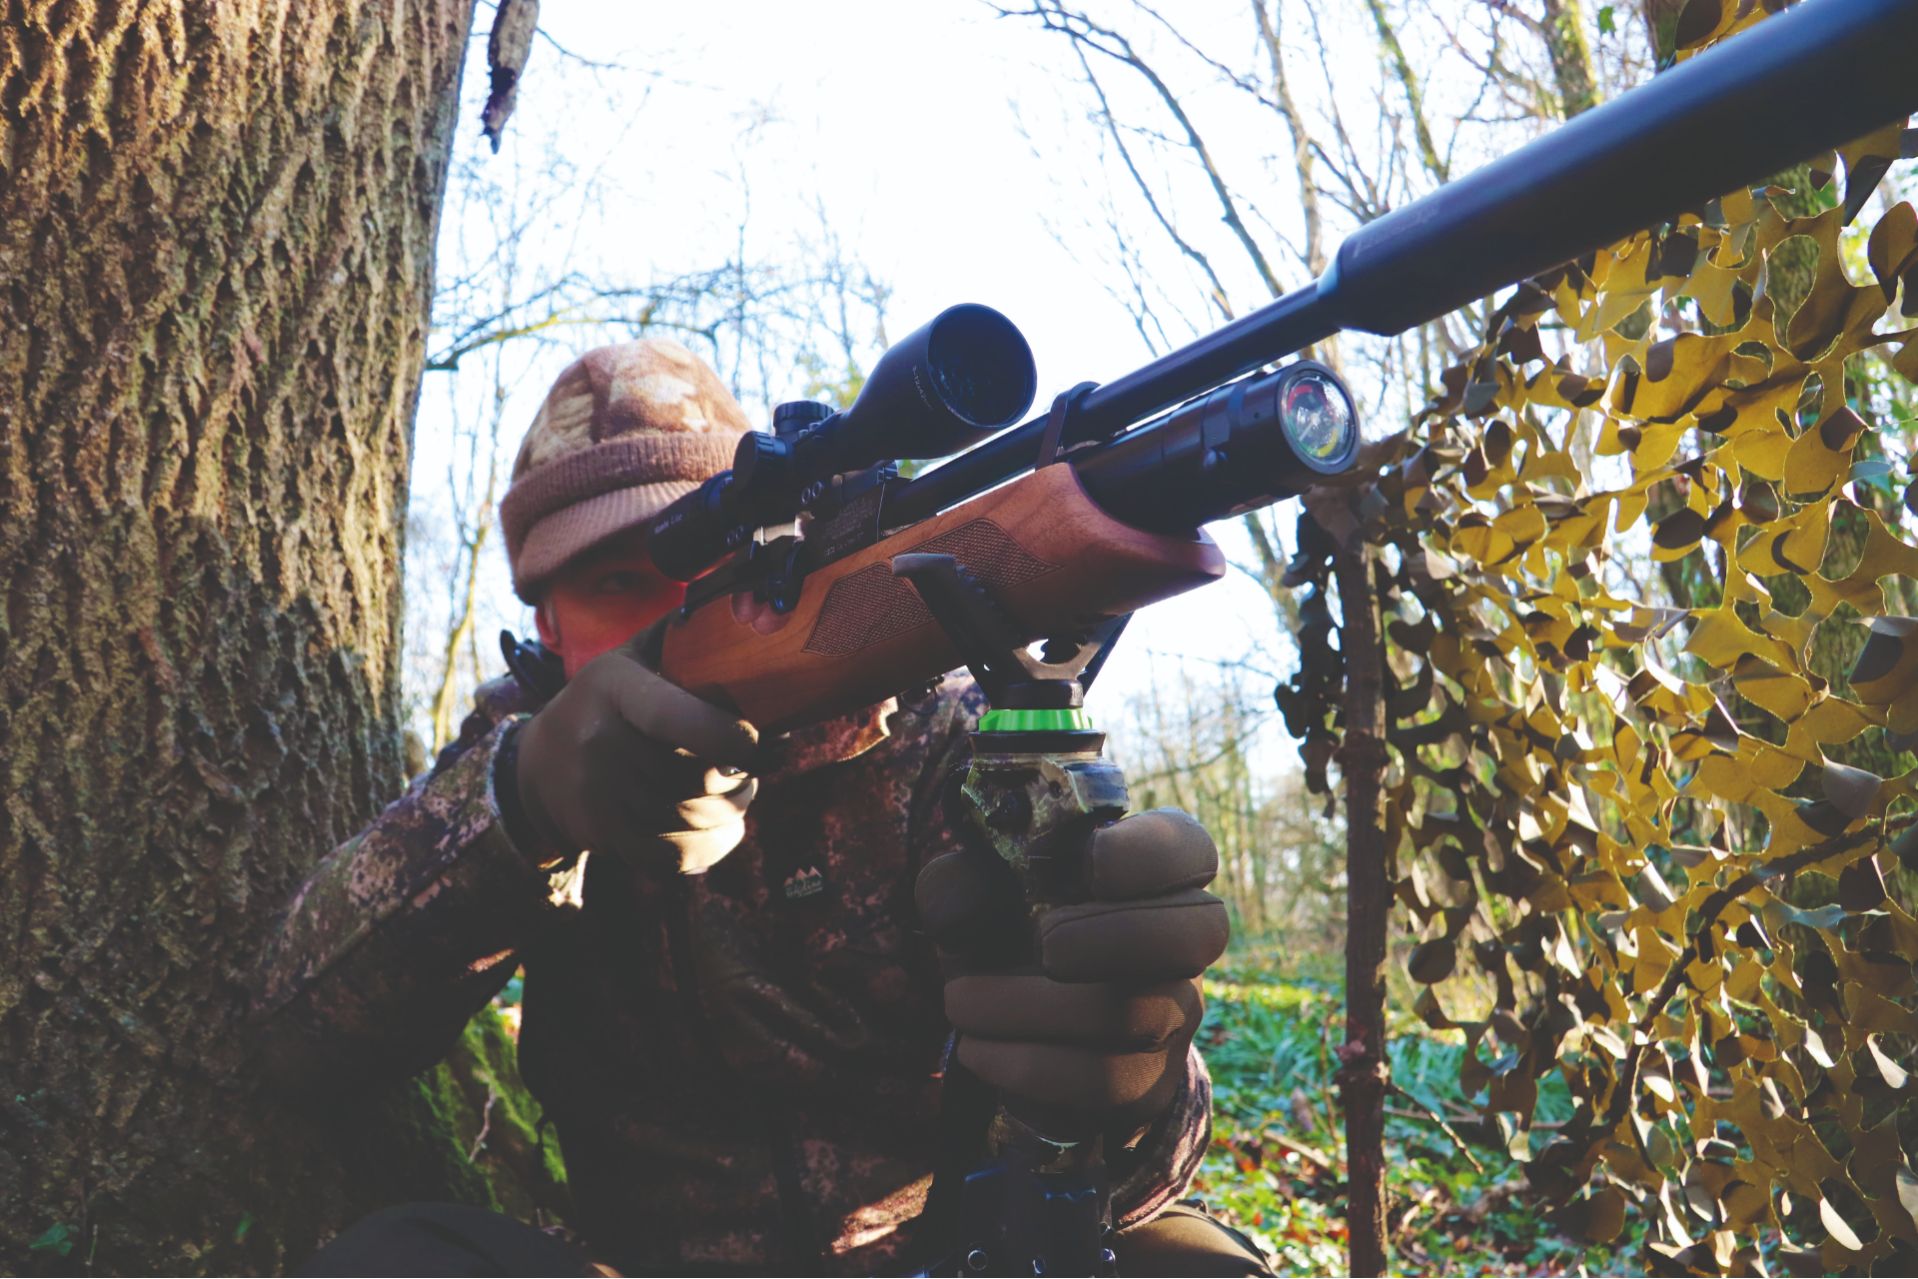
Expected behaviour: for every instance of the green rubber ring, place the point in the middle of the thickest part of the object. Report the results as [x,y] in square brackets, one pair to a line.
[1033,721]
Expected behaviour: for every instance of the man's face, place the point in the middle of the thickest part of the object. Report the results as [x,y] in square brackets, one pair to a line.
[602,598]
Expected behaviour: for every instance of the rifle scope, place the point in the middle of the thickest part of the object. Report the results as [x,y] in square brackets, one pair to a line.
[961,377]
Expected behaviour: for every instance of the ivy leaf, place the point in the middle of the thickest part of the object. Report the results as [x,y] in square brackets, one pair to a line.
[1607,25]
[56,1239]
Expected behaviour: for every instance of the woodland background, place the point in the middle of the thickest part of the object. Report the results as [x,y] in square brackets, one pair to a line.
[1648,1004]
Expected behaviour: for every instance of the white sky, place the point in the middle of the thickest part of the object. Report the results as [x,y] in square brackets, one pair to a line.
[901,118]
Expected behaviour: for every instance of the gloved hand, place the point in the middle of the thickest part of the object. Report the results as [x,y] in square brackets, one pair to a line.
[627,763]
[1103,1029]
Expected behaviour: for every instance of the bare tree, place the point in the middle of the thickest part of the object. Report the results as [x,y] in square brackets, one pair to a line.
[1350,151]
[216,249]
[530,282]
[1199,739]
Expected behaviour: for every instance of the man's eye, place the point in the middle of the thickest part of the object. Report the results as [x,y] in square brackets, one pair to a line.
[620,582]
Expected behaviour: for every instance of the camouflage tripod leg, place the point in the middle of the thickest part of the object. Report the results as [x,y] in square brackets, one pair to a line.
[1042,1206]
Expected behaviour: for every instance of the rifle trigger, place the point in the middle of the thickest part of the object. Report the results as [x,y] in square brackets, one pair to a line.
[537,668]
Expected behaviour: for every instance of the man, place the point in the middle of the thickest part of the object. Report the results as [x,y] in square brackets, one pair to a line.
[735,1013]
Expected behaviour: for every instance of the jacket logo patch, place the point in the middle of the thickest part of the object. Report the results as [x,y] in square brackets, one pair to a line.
[803,883]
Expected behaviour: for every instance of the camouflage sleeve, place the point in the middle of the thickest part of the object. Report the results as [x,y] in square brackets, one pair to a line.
[403,932]
[1156,1171]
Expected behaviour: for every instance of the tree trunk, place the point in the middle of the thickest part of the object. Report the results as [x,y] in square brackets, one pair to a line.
[1362,1075]
[216,246]
[1435,166]
[1563,31]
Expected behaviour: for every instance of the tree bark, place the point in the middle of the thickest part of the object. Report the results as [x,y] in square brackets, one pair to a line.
[1563,31]
[1362,1074]
[216,241]
[1435,165]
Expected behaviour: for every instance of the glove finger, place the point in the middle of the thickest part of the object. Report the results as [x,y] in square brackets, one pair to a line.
[628,761]
[1178,935]
[968,904]
[689,836]
[708,812]
[1072,1078]
[1089,1015]
[667,713]
[727,783]
[1151,854]
[701,850]
[647,811]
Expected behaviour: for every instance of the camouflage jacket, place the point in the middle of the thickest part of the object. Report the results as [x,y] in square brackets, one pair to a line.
[744,1067]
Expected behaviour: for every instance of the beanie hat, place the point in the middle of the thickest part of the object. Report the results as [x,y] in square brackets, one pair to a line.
[625,431]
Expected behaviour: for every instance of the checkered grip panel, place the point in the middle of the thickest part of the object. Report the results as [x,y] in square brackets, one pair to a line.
[871,605]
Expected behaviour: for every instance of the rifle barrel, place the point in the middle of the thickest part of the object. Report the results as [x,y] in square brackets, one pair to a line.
[1825,73]
[1821,74]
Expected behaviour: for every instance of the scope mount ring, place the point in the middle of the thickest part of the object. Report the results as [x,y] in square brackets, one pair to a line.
[1053,444]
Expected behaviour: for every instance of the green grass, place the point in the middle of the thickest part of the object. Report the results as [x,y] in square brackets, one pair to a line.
[1276,1168]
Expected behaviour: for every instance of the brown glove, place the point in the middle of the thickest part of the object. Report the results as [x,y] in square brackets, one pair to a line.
[625,762]
[1104,1028]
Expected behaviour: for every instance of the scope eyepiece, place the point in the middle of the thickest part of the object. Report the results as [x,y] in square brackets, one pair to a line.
[695,532]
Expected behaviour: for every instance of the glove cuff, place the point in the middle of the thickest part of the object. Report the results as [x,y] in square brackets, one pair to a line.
[1155,1168]
[522,830]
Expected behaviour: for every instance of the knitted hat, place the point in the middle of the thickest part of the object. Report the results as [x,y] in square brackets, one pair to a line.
[625,430]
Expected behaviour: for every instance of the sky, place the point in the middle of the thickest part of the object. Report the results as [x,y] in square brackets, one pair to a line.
[950,154]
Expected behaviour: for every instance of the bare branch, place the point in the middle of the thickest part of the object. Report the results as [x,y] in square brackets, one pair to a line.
[1414,95]
[1302,144]
[1087,34]
[1220,298]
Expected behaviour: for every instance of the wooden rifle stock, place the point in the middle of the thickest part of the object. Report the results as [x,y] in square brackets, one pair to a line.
[859,635]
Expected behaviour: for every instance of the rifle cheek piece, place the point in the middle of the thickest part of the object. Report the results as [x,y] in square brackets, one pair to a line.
[1245,445]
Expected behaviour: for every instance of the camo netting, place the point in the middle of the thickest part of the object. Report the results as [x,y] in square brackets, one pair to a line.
[1653,688]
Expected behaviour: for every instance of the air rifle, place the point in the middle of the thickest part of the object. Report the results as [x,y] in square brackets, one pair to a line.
[1094,509]
[821,580]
